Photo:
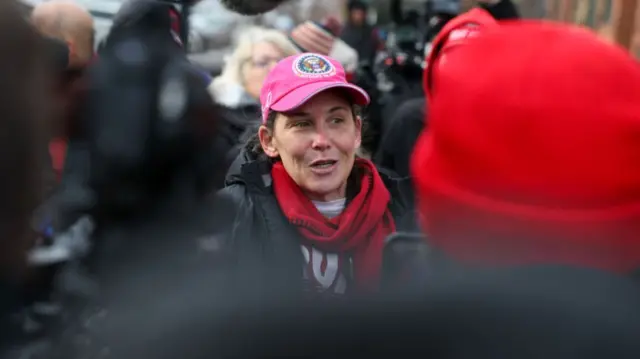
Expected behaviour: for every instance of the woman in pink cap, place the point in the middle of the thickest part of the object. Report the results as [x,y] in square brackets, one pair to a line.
[312,208]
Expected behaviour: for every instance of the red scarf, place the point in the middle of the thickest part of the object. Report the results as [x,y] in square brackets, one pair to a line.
[360,230]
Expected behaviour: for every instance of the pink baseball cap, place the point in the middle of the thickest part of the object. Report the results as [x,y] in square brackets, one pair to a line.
[296,79]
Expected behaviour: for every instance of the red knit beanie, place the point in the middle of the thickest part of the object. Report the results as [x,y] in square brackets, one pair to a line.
[455,33]
[533,151]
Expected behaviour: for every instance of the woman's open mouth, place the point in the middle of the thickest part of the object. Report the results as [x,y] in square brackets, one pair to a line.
[323,167]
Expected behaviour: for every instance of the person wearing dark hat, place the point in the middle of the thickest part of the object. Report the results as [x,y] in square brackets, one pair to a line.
[359,34]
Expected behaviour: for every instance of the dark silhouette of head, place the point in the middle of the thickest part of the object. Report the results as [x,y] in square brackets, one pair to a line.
[252,7]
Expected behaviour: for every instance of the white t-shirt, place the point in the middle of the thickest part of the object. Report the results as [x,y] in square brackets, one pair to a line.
[327,271]
[330,209]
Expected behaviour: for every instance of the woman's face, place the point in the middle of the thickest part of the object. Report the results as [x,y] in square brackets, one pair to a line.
[317,144]
[264,57]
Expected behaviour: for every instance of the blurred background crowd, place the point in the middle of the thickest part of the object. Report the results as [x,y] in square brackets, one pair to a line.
[214,28]
[249,178]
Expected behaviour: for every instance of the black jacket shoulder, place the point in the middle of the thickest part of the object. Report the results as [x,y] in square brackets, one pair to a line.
[404,128]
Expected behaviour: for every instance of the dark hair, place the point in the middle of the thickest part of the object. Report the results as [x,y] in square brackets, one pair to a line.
[252,139]
[357,5]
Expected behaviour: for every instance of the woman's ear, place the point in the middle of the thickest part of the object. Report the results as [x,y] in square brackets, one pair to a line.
[266,141]
[358,122]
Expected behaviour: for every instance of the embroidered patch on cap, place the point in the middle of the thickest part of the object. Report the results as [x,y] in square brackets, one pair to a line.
[313,65]
[461,34]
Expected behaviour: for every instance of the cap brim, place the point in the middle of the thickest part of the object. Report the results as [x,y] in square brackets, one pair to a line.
[302,94]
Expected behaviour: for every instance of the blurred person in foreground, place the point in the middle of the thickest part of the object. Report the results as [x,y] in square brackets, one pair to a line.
[25,104]
[536,179]
[321,212]
[65,23]
[163,17]
[237,89]
[143,214]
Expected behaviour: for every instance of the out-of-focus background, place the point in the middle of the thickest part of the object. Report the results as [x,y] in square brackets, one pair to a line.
[213,28]
[615,20]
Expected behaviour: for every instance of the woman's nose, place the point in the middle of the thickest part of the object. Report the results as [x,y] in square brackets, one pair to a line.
[320,140]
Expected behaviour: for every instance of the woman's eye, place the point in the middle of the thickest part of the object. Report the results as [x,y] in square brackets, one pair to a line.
[264,62]
[261,64]
[301,124]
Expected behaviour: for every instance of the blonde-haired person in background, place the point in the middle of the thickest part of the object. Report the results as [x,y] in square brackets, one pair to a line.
[237,89]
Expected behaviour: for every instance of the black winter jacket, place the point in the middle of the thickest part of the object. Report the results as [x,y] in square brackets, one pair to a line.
[400,136]
[237,123]
[263,244]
